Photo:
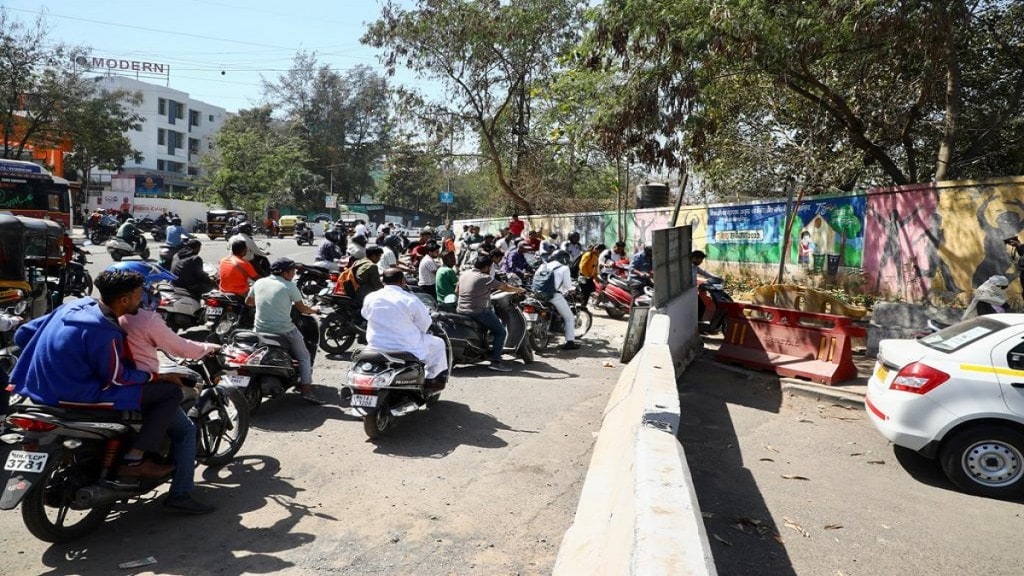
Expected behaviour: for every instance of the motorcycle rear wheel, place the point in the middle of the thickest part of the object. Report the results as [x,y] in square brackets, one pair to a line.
[253,396]
[539,338]
[311,286]
[378,422]
[223,431]
[35,509]
[525,351]
[584,320]
[335,336]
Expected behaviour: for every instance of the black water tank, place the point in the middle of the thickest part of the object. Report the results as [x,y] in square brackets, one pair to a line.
[652,195]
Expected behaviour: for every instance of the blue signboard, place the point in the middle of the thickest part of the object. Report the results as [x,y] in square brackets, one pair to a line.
[447,197]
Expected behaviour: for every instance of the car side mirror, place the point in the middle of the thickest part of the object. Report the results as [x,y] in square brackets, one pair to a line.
[1015,359]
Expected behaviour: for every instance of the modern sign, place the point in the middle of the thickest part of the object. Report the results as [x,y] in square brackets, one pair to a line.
[122,65]
[331,201]
[447,197]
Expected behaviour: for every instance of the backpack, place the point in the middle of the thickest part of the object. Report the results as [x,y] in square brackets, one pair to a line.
[543,286]
[347,283]
[574,266]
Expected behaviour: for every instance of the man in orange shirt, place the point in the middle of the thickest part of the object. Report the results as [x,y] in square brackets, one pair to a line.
[235,272]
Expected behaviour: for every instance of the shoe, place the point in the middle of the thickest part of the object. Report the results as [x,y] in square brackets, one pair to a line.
[187,504]
[574,345]
[146,469]
[499,366]
[310,396]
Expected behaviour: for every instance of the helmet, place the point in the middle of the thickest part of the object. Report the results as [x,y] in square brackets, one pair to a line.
[130,221]
[245,229]
[176,221]
[151,276]
[561,256]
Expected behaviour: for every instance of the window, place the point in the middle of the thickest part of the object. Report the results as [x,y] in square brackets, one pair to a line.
[179,139]
[193,171]
[193,118]
[161,106]
[193,146]
[160,164]
[211,117]
[161,136]
[179,110]
[175,166]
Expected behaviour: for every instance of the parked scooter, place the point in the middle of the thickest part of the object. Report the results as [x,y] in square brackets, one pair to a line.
[381,386]
[343,323]
[64,460]
[119,248]
[543,322]
[615,295]
[263,364]
[713,295]
[471,343]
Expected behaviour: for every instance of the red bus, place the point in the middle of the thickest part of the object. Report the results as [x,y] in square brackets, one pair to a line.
[28,189]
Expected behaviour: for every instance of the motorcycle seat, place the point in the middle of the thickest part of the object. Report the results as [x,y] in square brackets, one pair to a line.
[375,356]
[456,318]
[278,340]
[101,411]
[624,284]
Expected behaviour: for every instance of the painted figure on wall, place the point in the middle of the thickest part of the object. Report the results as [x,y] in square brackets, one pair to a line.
[996,259]
[895,229]
[805,249]
[931,240]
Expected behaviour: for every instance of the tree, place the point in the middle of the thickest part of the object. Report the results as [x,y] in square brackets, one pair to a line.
[413,180]
[486,54]
[97,128]
[342,118]
[254,164]
[38,83]
[831,92]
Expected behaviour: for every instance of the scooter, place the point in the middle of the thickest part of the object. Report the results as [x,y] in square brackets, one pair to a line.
[179,309]
[615,295]
[713,295]
[471,342]
[543,322]
[262,363]
[63,461]
[119,248]
[167,254]
[381,386]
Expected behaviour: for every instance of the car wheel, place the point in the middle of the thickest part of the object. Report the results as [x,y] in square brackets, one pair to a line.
[986,460]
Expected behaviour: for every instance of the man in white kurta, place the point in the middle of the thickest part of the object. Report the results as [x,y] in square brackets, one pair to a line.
[397,321]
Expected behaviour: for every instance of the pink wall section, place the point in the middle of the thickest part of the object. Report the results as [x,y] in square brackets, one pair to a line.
[899,245]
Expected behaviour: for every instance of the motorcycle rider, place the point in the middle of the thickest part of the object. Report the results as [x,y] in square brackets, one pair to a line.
[609,259]
[474,300]
[642,265]
[357,248]
[274,297]
[302,230]
[514,261]
[131,234]
[84,334]
[588,270]
[989,298]
[176,233]
[145,334]
[548,246]
[558,264]
[427,277]
[328,253]
[367,273]
[573,246]
[447,278]
[397,321]
[236,271]
[187,268]
[253,252]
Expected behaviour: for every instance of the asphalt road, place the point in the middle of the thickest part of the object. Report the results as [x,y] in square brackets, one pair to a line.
[790,485]
[485,483]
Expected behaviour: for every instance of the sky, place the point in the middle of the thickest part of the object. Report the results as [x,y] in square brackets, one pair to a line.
[217,51]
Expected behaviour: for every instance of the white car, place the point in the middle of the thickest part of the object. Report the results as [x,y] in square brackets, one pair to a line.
[958,395]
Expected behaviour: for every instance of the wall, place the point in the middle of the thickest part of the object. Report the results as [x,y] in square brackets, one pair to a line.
[927,242]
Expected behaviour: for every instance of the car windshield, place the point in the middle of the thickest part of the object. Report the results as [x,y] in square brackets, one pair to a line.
[963,334]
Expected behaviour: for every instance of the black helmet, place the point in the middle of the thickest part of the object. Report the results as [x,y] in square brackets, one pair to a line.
[561,256]
[176,221]
[245,229]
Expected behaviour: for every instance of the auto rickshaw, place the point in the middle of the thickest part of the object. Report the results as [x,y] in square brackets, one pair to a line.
[287,223]
[30,260]
[217,222]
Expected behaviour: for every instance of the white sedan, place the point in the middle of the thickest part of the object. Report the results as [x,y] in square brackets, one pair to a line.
[958,395]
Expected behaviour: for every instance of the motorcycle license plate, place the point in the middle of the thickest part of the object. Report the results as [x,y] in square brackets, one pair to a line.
[364,400]
[234,380]
[214,311]
[532,317]
[21,461]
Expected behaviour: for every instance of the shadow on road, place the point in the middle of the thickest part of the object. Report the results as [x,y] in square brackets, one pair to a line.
[143,528]
[437,432]
[290,413]
[739,524]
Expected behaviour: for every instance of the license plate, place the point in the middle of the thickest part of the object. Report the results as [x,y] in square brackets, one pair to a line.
[234,380]
[531,317]
[21,461]
[881,373]
[214,311]
[364,400]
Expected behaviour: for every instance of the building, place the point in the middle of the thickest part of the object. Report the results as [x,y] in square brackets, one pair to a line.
[175,135]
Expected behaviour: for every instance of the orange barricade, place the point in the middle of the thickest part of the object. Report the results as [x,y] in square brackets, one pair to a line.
[790,342]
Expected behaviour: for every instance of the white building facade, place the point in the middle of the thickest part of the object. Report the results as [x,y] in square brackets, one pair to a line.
[174,136]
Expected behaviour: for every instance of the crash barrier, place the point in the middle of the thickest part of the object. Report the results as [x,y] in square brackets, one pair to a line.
[805,299]
[638,511]
[817,347]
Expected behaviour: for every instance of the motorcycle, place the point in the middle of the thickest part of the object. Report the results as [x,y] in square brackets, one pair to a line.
[712,294]
[119,248]
[179,309]
[312,280]
[304,236]
[79,281]
[63,460]
[615,295]
[543,322]
[167,254]
[262,365]
[343,323]
[470,341]
[100,233]
[224,313]
[381,386]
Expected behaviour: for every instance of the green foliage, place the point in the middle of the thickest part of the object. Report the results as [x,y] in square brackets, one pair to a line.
[97,128]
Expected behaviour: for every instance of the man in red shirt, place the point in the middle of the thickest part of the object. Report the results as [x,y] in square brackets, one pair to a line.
[516,226]
[235,272]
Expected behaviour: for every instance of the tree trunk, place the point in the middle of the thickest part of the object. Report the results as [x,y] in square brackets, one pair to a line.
[951,124]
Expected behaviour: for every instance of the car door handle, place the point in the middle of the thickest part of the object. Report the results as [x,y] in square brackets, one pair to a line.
[1017,384]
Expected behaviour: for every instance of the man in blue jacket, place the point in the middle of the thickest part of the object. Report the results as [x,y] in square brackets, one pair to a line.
[77,355]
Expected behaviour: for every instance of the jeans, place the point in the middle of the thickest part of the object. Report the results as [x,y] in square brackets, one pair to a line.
[297,345]
[160,401]
[488,319]
[183,450]
[560,304]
